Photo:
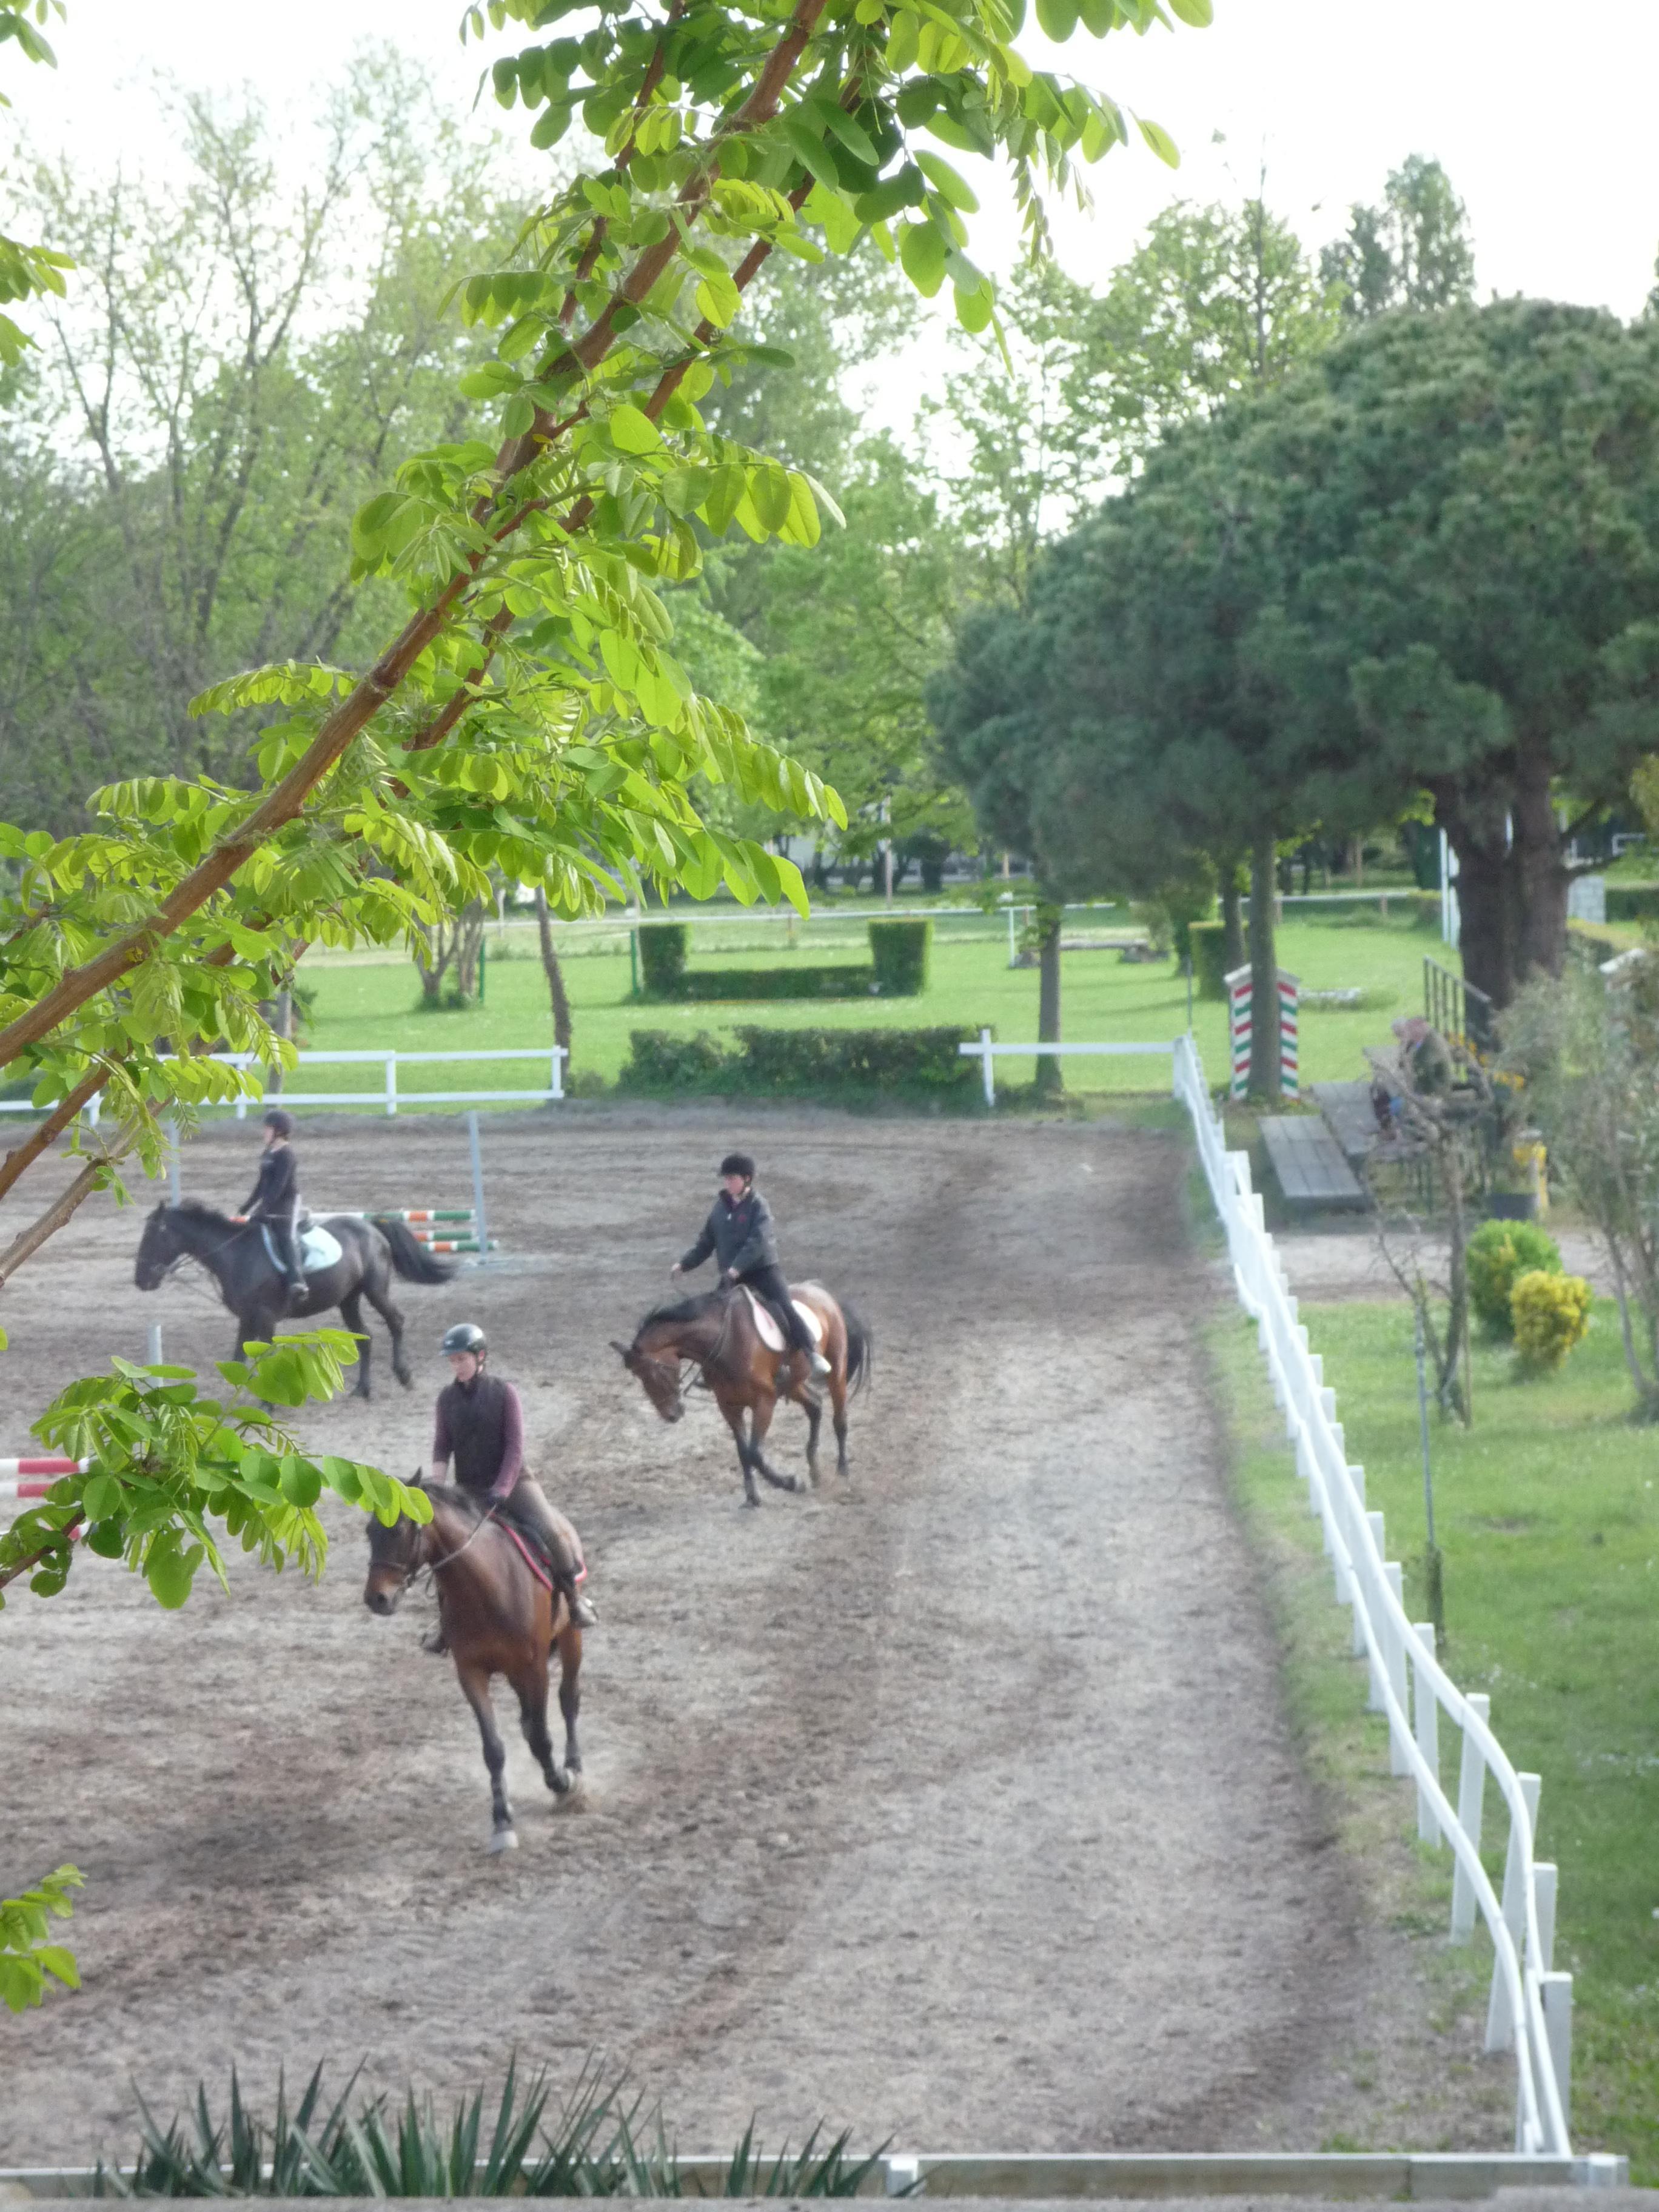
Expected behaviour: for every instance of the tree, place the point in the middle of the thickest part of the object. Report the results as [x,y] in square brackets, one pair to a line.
[1414,251]
[1469,532]
[235,362]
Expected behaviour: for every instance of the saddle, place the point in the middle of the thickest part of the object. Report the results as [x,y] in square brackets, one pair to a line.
[532,1547]
[770,1329]
[319,1249]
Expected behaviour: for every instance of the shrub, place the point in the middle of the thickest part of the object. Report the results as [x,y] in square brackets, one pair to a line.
[898,955]
[662,959]
[1550,1312]
[1632,902]
[800,1062]
[812,1060]
[1209,942]
[797,980]
[1499,1252]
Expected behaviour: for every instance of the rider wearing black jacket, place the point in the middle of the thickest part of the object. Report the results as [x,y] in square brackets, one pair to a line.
[275,1199]
[739,1231]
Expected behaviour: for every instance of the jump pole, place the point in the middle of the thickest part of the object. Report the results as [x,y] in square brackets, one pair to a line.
[476,1150]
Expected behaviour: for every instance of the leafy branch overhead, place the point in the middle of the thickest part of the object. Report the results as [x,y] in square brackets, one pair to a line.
[532,716]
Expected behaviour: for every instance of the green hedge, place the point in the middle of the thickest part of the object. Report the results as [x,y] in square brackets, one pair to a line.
[1209,942]
[662,959]
[897,970]
[898,955]
[800,1062]
[1633,901]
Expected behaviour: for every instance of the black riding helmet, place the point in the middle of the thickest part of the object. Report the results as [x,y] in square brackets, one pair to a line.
[466,1336]
[739,1163]
[275,1118]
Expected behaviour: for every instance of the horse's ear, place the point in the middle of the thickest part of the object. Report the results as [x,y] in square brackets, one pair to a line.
[622,1351]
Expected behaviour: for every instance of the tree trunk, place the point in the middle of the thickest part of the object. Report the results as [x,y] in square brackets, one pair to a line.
[1488,931]
[1264,971]
[1050,1082]
[1233,952]
[555,974]
[282,1020]
[1541,870]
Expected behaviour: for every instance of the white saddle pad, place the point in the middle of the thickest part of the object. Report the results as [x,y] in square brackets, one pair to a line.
[770,1334]
[319,1249]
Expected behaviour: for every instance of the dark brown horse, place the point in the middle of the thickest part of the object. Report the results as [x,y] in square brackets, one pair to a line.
[372,1249]
[717,1334]
[498,1617]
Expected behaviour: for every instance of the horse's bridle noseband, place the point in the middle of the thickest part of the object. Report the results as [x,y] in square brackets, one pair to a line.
[702,1361]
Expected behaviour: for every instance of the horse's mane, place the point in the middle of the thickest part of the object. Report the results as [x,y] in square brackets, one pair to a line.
[691,1309]
[199,1209]
[475,1503]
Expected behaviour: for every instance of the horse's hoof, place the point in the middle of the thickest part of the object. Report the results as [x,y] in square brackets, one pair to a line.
[502,1839]
[751,1499]
[558,1780]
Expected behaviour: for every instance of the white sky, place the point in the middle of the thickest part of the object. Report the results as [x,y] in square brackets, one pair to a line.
[1543,116]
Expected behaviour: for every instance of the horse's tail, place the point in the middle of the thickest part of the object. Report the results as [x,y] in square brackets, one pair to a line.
[860,1348]
[408,1256]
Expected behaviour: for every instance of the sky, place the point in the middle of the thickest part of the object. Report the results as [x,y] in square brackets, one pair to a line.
[1541,115]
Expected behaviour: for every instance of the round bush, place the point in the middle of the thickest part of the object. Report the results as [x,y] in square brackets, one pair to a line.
[1551,1313]
[1499,1253]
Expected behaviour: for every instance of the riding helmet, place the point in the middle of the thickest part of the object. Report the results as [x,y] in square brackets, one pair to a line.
[283,1123]
[739,1163]
[466,1336]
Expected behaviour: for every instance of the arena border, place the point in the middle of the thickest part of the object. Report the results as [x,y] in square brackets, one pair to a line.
[1341,2176]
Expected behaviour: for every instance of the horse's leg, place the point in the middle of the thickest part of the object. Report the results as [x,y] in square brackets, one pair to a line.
[530,1684]
[569,1641]
[377,1289]
[765,1407]
[812,1406]
[351,1313]
[475,1687]
[838,1407]
[734,1412]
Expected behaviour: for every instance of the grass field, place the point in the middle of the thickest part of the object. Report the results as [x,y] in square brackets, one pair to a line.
[361,1004]
[1547,1515]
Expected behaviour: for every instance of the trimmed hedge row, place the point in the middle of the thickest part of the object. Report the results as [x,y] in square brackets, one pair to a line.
[1633,901]
[800,1062]
[897,970]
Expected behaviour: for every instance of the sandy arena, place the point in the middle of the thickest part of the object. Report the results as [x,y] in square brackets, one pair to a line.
[954,1802]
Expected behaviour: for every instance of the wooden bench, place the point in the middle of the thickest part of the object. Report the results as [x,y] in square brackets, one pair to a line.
[1309,1164]
[1348,1113]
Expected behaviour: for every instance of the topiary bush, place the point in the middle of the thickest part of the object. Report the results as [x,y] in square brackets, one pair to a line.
[662,959]
[804,1062]
[1209,942]
[1550,1313]
[1500,1252]
[899,953]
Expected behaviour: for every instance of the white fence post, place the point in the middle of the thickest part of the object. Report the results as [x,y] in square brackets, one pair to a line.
[985,1068]
[1425,1712]
[1544,1882]
[1500,2020]
[1556,1991]
[391,1083]
[556,1073]
[1375,1701]
[1470,1802]
[1393,1646]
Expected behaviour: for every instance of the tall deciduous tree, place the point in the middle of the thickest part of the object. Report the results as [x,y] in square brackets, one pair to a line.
[1412,250]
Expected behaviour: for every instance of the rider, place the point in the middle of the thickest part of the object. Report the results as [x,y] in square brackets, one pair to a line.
[480,1424]
[739,1231]
[275,1199]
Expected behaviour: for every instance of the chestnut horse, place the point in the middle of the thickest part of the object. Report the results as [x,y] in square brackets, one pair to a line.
[498,1617]
[716,1333]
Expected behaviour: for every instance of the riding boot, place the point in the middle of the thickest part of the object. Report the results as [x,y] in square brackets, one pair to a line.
[436,1642]
[297,1293]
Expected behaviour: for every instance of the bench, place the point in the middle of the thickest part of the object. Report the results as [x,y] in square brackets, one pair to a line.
[1309,1164]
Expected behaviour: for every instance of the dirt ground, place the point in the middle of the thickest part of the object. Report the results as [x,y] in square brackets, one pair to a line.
[955,1802]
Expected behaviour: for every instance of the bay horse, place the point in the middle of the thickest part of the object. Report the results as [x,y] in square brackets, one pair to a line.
[499,1614]
[255,1289]
[717,1334]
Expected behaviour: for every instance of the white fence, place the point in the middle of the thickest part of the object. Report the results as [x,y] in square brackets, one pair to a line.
[386,1095]
[985,1052]
[1530,2008]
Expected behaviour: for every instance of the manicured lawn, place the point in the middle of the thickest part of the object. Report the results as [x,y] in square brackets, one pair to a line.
[1547,1515]
[361,1004]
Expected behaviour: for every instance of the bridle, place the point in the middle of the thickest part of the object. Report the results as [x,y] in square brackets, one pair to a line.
[683,1381]
[432,1568]
[184,1252]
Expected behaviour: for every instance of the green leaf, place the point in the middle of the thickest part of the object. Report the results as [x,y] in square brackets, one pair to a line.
[903,41]
[632,430]
[850,131]
[1160,142]
[1058,18]
[954,188]
[1198,13]
[922,250]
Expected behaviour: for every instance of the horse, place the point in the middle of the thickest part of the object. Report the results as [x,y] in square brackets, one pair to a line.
[717,1332]
[499,1615]
[255,1289]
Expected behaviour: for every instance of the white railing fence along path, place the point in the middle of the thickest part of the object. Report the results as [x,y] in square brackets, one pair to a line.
[1530,2008]
[385,1096]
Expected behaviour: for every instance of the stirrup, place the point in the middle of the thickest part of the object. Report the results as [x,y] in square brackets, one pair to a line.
[583,1613]
[818,1366]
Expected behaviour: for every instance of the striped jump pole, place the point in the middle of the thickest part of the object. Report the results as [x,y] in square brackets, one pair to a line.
[442,1228]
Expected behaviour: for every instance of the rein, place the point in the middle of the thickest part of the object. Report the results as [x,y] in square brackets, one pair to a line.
[702,1360]
[433,1567]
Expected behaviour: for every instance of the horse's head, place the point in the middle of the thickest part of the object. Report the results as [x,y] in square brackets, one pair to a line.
[395,1554]
[158,1251]
[659,1374]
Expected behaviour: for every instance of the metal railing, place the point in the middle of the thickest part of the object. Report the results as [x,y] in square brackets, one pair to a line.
[1530,2007]
[1458,1009]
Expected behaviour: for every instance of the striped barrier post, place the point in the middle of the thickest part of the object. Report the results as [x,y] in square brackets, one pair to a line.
[1289,997]
[1239,1028]
[1240,1024]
